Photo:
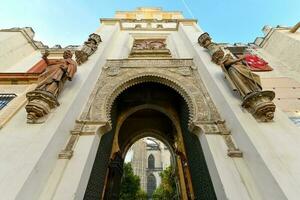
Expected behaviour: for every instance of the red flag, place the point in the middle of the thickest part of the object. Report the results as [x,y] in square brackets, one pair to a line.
[256,63]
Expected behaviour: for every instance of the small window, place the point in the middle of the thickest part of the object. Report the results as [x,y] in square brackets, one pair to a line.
[151,184]
[296,120]
[151,162]
[159,26]
[138,26]
[5,99]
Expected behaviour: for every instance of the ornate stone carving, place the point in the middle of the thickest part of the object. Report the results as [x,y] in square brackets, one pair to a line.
[257,102]
[88,48]
[39,105]
[50,83]
[150,48]
[164,71]
[232,150]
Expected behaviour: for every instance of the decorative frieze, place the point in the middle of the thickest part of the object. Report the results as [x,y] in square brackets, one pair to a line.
[150,48]
[150,63]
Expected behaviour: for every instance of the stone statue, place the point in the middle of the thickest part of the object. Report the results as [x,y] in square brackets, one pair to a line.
[50,83]
[88,48]
[242,80]
[56,73]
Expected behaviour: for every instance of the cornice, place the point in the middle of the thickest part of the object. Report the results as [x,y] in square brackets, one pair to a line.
[121,21]
[25,34]
[18,78]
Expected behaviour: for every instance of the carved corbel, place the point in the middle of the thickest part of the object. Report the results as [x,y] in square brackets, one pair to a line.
[88,48]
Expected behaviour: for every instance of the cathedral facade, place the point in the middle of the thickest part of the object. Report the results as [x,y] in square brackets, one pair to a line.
[149,158]
[229,114]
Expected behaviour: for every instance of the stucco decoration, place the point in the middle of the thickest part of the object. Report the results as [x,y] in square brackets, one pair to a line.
[257,102]
[203,114]
[150,48]
[88,48]
[50,83]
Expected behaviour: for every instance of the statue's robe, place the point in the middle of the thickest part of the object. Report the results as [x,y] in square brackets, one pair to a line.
[58,71]
[242,79]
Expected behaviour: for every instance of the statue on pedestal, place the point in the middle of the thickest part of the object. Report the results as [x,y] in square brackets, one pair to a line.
[88,48]
[50,83]
[243,80]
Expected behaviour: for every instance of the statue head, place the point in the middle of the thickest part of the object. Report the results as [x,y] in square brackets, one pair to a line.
[204,40]
[67,54]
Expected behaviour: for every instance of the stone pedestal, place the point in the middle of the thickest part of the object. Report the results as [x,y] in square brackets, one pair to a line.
[260,105]
[39,105]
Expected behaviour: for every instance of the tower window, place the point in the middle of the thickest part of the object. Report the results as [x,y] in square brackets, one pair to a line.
[151,184]
[5,99]
[138,26]
[151,162]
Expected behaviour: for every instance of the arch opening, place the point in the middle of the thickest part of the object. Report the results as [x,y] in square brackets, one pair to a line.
[156,110]
[159,153]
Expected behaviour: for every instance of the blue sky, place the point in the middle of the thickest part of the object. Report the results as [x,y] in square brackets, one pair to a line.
[71,21]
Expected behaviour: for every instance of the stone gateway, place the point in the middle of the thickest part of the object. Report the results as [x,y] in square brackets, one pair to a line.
[149,73]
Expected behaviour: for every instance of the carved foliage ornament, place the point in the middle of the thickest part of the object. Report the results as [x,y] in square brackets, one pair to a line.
[202,111]
[257,102]
[88,48]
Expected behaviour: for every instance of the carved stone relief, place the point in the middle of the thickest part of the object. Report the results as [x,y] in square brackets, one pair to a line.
[203,113]
[150,48]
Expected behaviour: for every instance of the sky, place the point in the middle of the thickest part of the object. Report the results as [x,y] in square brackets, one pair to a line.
[69,22]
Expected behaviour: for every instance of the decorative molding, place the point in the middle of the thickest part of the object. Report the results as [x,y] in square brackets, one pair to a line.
[82,128]
[112,21]
[150,63]
[18,78]
[203,114]
[154,47]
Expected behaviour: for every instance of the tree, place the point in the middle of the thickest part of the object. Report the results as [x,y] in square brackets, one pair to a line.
[167,188]
[130,185]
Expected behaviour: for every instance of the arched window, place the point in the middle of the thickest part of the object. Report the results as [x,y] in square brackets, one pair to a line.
[151,162]
[151,184]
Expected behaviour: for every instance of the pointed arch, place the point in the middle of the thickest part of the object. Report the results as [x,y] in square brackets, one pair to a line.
[151,161]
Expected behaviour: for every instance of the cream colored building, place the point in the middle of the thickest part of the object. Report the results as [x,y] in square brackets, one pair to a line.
[169,89]
[150,158]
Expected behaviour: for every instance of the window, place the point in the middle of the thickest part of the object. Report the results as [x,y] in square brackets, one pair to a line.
[159,26]
[296,120]
[5,99]
[151,184]
[138,26]
[151,162]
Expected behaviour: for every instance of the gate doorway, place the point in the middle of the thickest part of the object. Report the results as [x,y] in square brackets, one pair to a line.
[157,110]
